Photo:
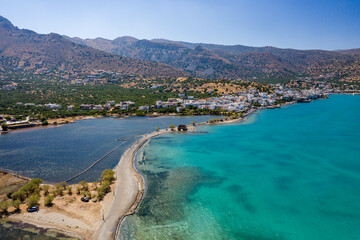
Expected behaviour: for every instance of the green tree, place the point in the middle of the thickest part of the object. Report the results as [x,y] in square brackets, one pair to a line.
[19,195]
[33,200]
[32,187]
[108,175]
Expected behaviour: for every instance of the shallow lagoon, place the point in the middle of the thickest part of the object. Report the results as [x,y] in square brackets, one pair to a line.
[58,153]
[290,174]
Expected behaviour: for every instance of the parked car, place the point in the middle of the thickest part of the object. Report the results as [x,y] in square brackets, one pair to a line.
[85,199]
[33,209]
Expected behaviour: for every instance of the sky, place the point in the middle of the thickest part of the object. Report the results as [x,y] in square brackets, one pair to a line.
[299,24]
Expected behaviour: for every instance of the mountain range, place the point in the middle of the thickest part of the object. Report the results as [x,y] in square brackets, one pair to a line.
[29,52]
[224,61]
[25,50]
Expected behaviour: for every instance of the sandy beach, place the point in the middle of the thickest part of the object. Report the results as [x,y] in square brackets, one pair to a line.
[128,191]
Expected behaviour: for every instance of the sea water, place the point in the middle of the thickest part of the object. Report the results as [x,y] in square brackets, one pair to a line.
[58,153]
[290,174]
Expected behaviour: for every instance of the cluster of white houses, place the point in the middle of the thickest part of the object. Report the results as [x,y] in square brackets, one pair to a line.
[52,106]
[241,100]
[237,102]
[110,104]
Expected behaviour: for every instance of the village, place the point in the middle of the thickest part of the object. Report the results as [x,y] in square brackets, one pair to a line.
[241,101]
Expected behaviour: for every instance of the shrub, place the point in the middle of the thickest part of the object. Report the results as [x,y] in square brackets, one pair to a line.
[95,185]
[100,193]
[54,192]
[69,189]
[46,189]
[4,207]
[60,191]
[9,195]
[48,201]
[84,185]
[78,189]
[107,177]
[37,181]
[63,184]
[57,186]
[16,204]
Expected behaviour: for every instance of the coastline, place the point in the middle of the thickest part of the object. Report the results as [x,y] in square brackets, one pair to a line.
[129,157]
[128,191]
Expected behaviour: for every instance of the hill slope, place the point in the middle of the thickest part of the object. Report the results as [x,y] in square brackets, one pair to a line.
[27,51]
[221,61]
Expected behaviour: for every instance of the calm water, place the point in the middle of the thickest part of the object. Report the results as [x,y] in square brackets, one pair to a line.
[288,174]
[58,153]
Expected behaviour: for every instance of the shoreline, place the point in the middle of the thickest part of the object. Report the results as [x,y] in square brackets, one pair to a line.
[128,191]
[129,188]
[140,178]
[57,122]
[129,184]
[136,173]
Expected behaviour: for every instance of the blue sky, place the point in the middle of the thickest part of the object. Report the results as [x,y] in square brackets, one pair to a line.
[300,24]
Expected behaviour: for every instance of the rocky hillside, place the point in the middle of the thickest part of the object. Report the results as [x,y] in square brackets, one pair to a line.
[26,51]
[221,61]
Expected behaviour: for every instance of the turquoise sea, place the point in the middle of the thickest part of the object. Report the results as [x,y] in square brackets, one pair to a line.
[57,153]
[289,174]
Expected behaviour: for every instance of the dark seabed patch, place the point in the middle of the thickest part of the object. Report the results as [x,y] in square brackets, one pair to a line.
[251,234]
[284,183]
[13,230]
